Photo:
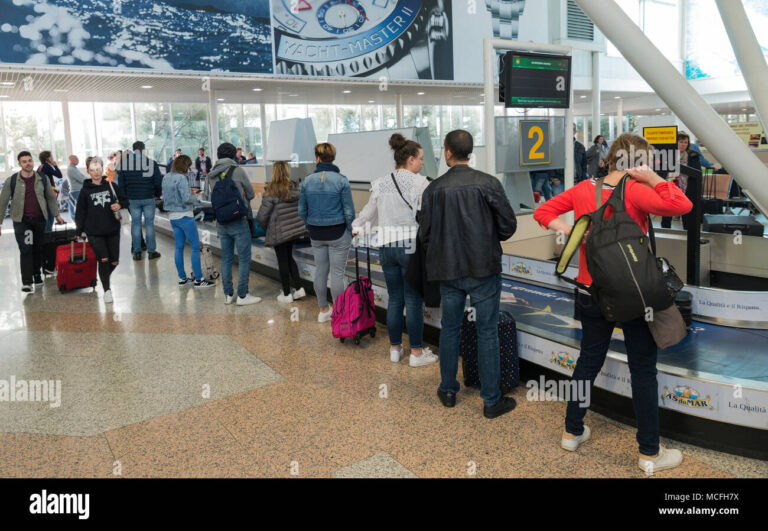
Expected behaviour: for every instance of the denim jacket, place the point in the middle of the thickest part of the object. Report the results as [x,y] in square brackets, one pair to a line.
[176,194]
[326,198]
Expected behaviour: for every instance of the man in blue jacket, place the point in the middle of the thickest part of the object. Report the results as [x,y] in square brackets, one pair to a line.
[140,178]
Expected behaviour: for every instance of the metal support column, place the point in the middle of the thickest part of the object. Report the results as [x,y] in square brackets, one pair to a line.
[619,117]
[399,109]
[4,145]
[596,95]
[67,129]
[263,119]
[213,121]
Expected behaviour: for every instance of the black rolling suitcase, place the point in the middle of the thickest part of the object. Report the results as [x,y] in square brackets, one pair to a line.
[510,364]
[684,302]
[52,241]
[729,224]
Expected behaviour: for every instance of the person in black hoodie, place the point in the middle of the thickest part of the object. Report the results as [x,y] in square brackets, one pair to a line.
[97,217]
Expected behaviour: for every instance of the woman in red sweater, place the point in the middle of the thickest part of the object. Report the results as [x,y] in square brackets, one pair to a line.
[646,193]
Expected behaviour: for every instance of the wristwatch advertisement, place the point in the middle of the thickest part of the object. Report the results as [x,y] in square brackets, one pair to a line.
[397,39]
[506,17]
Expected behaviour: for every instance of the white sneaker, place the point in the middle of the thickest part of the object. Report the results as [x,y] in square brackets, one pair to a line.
[284,298]
[324,317]
[427,357]
[667,458]
[572,444]
[299,294]
[395,354]
[108,296]
[229,299]
[248,299]
[28,288]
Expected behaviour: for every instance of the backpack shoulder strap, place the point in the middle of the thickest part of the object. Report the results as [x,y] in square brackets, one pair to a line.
[14,177]
[599,192]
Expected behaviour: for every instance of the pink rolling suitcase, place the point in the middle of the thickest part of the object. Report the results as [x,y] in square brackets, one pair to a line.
[354,312]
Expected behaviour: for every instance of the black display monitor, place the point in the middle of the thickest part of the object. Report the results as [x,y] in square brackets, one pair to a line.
[533,80]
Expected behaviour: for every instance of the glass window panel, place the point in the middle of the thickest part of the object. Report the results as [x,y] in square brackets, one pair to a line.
[322,120]
[230,123]
[252,127]
[347,119]
[631,8]
[82,129]
[411,116]
[153,127]
[370,118]
[472,121]
[190,123]
[31,127]
[661,23]
[291,111]
[390,116]
[113,121]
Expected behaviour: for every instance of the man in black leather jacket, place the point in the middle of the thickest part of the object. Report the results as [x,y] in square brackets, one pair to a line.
[464,216]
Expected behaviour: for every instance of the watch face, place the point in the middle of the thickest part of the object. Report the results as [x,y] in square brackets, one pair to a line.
[344,37]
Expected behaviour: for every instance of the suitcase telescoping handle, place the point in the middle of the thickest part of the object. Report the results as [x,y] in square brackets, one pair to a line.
[83,258]
[357,265]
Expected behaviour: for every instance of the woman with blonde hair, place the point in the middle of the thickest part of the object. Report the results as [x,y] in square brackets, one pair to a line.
[279,217]
[644,193]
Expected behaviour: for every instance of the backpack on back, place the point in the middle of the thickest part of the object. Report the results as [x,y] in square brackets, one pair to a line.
[227,201]
[626,278]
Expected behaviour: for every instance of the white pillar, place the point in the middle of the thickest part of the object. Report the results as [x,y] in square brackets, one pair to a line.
[596,95]
[133,121]
[96,132]
[619,116]
[585,129]
[4,145]
[213,121]
[748,52]
[263,119]
[399,109]
[172,124]
[67,129]
[681,98]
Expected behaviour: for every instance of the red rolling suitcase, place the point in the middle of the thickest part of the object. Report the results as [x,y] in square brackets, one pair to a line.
[75,267]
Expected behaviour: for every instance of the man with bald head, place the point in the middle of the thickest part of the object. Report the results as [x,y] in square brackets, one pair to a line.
[76,178]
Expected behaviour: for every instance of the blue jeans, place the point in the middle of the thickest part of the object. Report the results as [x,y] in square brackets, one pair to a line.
[541,184]
[49,221]
[185,230]
[485,296]
[137,208]
[641,357]
[235,235]
[394,262]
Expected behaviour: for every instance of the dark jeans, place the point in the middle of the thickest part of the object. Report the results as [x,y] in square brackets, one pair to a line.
[289,271]
[666,222]
[541,184]
[485,296]
[394,262]
[29,236]
[107,251]
[641,357]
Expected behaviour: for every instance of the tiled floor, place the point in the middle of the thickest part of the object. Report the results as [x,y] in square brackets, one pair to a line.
[170,382]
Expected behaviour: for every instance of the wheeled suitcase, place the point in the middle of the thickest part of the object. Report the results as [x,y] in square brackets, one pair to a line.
[52,241]
[75,267]
[729,224]
[354,312]
[510,364]
[684,302]
[206,261]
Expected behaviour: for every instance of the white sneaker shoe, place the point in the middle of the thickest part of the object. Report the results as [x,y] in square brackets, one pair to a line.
[324,317]
[395,354]
[572,444]
[28,288]
[229,299]
[427,357]
[667,458]
[248,299]
[284,298]
[299,294]
[108,296]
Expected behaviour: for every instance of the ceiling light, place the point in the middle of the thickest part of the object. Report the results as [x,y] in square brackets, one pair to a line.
[146,86]
[582,97]
[7,83]
[743,108]
[219,99]
[347,91]
[371,101]
[617,97]
[657,110]
[420,93]
[292,95]
[60,90]
[257,90]
[3,95]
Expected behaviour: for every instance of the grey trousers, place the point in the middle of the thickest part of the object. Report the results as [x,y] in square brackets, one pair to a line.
[330,257]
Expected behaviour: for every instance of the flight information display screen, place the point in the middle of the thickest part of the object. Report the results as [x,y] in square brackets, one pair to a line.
[536,80]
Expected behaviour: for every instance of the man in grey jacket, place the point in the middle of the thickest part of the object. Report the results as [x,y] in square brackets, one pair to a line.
[234,235]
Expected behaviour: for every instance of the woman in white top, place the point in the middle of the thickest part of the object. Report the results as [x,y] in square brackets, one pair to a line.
[395,199]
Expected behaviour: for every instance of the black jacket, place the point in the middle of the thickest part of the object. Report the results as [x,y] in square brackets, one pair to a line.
[465,214]
[203,163]
[139,176]
[579,162]
[93,214]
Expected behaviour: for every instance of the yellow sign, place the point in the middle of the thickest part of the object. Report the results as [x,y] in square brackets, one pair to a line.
[749,132]
[661,135]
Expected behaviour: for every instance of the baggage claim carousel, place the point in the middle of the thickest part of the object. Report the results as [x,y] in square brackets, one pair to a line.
[713,386]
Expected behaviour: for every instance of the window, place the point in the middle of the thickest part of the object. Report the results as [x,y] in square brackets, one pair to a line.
[153,127]
[369,118]
[347,119]
[390,116]
[230,123]
[661,24]
[632,9]
[33,127]
[190,124]
[114,127]
[322,120]
[252,128]
[82,129]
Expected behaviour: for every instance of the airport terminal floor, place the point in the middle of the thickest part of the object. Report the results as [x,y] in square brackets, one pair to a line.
[171,382]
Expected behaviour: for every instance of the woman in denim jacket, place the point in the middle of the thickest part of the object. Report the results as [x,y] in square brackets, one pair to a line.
[179,202]
[326,206]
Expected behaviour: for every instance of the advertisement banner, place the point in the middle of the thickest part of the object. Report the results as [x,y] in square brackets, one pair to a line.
[749,132]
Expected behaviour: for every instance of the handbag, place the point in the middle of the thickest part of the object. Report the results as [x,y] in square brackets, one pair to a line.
[123,217]
[667,327]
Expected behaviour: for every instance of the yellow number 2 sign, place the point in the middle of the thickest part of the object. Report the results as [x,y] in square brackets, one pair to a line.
[535,145]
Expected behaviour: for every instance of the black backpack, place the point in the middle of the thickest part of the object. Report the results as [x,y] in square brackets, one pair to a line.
[626,278]
[227,201]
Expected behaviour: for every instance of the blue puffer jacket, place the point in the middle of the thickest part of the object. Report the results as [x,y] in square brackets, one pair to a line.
[139,177]
[176,194]
[326,198]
